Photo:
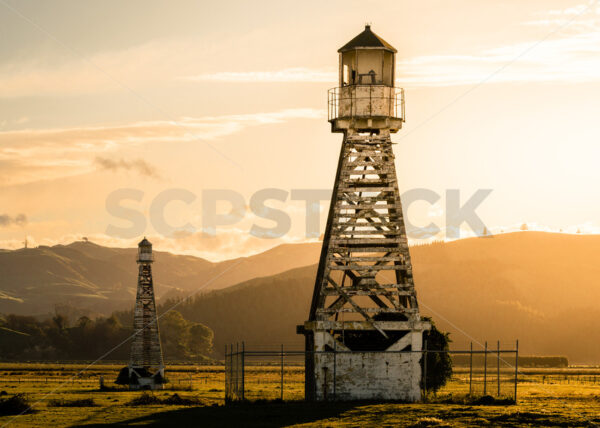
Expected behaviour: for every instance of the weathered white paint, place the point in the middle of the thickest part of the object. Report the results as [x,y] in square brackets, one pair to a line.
[367,101]
[361,375]
[361,107]
[365,108]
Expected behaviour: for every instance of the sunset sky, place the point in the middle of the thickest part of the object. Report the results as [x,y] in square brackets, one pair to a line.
[198,95]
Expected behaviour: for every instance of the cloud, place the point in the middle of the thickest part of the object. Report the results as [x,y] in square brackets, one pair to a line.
[139,165]
[575,10]
[572,55]
[570,59]
[567,52]
[435,210]
[82,139]
[297,74]
[43,154]
[18,220]
[184,59]
[137,67]
[570,16]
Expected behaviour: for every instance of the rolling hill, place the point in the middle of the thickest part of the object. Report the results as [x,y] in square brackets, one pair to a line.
[540,288]
[101,279]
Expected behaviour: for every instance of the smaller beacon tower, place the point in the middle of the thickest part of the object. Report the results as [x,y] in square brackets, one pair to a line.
[146,368]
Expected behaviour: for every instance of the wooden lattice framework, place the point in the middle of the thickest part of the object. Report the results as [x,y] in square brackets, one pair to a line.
[146,363]
[364,302]
[365,249]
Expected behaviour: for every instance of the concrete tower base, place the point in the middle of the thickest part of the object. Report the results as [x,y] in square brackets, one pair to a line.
[145,380]
[335,372]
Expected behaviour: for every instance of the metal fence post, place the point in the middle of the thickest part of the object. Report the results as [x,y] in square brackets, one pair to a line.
[498,368]
[243,369]
[226,377]
[471,370]
[235,371]
[425,368]
[236,374]
[516,368]
[485,370]
[281,372]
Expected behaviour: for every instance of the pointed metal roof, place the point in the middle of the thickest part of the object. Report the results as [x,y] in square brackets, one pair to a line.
[144,243]
[367,39]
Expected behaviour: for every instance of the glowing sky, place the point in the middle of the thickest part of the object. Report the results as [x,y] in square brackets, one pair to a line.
[197,95]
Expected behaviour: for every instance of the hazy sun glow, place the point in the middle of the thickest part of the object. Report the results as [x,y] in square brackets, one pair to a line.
[204,98]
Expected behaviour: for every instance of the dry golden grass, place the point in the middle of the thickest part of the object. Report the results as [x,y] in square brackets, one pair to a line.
[576,403]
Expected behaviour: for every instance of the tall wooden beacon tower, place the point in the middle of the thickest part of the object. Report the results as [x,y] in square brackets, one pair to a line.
[146,368]
[364,300]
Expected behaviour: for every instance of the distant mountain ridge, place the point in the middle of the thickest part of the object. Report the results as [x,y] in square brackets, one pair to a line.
[103,279]
[540,288]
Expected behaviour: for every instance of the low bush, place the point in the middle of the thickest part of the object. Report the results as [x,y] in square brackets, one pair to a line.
[175,399]
[15,405]
[488,400]
[485,400]
[147,399]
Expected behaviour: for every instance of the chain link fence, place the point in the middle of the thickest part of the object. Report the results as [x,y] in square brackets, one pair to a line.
[279,374]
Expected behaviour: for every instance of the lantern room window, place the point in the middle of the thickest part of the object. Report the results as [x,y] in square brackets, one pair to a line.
[367,60]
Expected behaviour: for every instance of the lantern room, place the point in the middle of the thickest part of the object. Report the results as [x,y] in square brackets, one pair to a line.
[145,251]
[367,59]
[366,99]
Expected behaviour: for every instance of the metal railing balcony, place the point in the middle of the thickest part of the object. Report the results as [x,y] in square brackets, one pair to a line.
[365,101]
[145,257]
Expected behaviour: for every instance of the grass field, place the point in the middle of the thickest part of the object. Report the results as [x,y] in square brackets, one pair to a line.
[547,397]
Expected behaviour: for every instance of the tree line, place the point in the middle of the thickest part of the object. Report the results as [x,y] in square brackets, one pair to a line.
[27,338]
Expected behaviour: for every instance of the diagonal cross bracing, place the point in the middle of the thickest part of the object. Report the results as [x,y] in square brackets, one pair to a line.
[365,239]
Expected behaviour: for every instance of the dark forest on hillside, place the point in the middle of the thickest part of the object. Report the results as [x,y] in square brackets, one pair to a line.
[537,287]
[25,338]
